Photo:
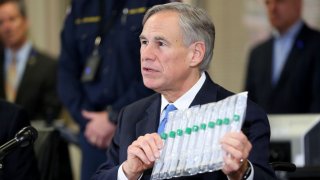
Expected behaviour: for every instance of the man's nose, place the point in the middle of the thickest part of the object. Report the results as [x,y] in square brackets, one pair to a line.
[147,52]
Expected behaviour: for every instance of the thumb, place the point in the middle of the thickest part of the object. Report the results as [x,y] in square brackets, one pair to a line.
[87,114]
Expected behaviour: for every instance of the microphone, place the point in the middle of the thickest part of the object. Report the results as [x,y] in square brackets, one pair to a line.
[23,138]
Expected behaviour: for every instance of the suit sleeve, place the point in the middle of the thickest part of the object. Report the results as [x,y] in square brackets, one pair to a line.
[257,129]
[51,103]
[109,169]
[21,164]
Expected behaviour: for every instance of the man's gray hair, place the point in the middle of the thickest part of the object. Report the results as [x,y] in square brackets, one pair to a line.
[195,24]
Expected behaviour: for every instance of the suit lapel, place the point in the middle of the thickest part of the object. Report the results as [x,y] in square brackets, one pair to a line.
[28,74]
[207,93]
[150,121]
[2,77]
[295,55]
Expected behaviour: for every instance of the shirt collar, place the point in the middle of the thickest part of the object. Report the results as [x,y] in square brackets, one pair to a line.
[186,99]
[21,53]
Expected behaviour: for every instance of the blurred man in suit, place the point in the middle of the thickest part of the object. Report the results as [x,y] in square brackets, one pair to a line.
[19,164]
[283,73]
[177,43]
[27,77]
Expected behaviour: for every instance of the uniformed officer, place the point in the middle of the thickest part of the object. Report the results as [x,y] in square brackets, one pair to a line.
[99,69]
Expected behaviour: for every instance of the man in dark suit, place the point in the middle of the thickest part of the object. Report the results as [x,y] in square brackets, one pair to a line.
[21,163]
[27,77]
[176,48]
[283,73]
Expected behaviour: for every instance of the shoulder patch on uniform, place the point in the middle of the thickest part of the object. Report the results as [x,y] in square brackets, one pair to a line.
[138,10]
[89,19]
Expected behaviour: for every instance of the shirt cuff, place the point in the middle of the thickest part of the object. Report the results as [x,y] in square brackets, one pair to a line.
[122,176]
[251,173]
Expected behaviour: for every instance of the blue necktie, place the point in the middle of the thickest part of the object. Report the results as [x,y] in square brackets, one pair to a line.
[163,123]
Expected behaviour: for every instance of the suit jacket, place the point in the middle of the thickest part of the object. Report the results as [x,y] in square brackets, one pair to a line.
[20,164]
[297,90]
[142,117]
[37,90]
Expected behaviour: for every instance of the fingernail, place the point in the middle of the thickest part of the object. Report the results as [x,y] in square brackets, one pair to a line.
[151,158]
[157,154]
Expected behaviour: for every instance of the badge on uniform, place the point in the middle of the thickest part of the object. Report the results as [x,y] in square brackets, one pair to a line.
[90,70]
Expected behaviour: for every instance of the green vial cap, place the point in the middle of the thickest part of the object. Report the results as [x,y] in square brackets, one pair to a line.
[211,124]
[179,132]
[203,126]
[164,136]
[226,121]
[195,128]
[219,122]
[236,117]
[188,130]
[172,134]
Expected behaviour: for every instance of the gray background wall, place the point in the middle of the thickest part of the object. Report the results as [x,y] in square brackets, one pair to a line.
[239,24]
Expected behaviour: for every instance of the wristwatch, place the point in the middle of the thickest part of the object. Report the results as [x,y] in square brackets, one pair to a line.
[247,172]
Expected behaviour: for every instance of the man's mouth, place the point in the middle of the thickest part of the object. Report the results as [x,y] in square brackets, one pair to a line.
[147,69]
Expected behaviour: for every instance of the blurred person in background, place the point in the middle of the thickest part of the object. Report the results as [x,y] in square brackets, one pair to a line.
[99,70]
[27,76]
[283,74]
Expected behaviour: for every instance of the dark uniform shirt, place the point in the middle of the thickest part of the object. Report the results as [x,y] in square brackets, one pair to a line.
[118,81]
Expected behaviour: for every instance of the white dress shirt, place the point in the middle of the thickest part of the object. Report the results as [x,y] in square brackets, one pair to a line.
[282,46]
[22,56]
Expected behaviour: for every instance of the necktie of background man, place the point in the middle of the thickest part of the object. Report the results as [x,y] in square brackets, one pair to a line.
[11,79]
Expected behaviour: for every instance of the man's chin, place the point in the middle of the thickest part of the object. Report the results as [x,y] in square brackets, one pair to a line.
[151,84]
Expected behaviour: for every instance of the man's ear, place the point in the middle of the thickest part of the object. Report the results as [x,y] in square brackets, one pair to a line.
[198,51]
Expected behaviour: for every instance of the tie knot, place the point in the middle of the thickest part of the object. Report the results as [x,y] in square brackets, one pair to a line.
[170,107]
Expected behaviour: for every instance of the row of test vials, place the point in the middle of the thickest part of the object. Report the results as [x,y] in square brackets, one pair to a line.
[191,137]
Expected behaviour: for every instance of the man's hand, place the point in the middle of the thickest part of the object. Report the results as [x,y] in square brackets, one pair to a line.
[99,130]
[142,154]
[238,148]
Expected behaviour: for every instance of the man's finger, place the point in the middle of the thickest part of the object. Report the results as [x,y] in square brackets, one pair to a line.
[139,153]
[87,114]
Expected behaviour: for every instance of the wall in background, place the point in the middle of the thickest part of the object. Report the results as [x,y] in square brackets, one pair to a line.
[239,25]
[46,19]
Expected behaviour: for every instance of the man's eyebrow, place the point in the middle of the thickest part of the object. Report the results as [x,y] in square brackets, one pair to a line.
[161,38]
[156,38]
[142,36]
